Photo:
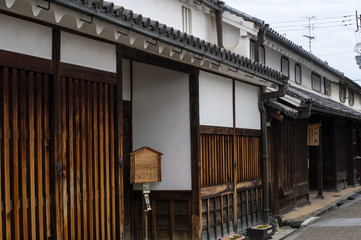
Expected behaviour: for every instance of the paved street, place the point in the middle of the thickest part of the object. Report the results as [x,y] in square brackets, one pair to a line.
[342,223]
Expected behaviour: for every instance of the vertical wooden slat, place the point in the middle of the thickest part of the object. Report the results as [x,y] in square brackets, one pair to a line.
[84,159]
[119,125]
[208,221]
[15,155]
[171,219]
[222,217]
[32,155]
[154,219]
[96,157]
[215,216]
[112,158]
[90,161]
[64,193]
[101,158]
[228,216]
[107,180]
[71,158]
[24,154]
[46,155]
[39,138]
[77,156]
[6,151]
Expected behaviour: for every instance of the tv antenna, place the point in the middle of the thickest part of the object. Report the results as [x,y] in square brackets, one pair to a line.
[310,28]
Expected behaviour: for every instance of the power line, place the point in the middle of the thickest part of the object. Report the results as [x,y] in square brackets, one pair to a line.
[298,25]
[316,19]
[302,29]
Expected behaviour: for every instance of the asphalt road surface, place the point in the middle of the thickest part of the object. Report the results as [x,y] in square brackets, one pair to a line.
[342,223]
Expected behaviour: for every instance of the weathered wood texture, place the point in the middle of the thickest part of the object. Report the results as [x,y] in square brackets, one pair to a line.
[59,177]
[24,155]
[88,154]
[217,147]
[225,154]
[289,160]
[217,210]
[170,217]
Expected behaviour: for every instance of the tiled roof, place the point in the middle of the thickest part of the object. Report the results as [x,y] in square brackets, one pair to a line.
[298,49]
[288,111]
[322,103]
[243,15]
[127,19]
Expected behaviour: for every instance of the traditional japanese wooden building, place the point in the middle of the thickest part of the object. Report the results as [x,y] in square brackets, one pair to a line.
[316,97]
[84,83]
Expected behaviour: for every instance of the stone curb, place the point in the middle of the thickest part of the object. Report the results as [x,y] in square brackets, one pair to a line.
[297,222]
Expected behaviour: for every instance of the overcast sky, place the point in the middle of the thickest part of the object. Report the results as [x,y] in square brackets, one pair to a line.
[332,43]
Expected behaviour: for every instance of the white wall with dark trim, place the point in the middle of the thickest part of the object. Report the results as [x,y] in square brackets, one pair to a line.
[25,37]
[161,120]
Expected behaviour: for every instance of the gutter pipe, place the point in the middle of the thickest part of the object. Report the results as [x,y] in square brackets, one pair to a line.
[157,36]
[263,98]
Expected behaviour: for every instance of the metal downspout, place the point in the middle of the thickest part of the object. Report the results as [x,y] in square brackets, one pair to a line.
[263,97]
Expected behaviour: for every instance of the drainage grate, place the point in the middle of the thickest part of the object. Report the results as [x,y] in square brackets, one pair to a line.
[336,195]
[340,203]
[354,196]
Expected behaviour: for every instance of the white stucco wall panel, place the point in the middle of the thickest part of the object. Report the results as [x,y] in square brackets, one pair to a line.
[87,52]
[25,37]
[161,120]
[215,100]
[247,112]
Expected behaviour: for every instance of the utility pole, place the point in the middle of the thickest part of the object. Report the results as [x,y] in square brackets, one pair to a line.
[310,28]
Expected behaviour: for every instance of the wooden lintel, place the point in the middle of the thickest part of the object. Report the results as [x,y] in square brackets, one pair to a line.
[208,192]
[249,184]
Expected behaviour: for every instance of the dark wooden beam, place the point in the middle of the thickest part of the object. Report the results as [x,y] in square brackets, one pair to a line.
[219,27]
[25,62]
[195,156]
[149,58]
[90,74]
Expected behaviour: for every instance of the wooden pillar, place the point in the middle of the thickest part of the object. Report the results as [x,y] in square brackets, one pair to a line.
[235,210]
[119,137]
[195,156]
[219,28]
[352,152]
[56,129]
[319,164]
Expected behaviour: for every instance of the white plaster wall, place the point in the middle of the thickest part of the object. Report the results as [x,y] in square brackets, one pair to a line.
[335,92]
[273,59]
[202,21]
[247,113]
[127,96]
[231,36]
[215,100]
[87,52]
[306,77]
[24,37]
[161,120]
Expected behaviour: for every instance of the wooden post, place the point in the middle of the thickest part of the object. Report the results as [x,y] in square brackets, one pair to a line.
[195,156]
[319,165]
[219,28]
[119,137]
[57,135]
[235,201]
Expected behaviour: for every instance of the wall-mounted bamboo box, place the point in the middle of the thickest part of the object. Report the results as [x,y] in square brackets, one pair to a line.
[145,165]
